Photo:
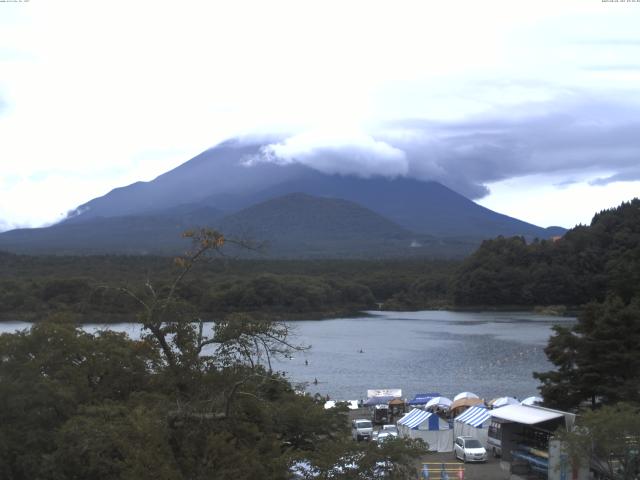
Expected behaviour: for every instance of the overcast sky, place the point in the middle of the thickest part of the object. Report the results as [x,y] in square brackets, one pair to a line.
[532,108]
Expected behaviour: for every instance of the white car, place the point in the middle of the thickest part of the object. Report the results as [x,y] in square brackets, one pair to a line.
[469,449]
[392,429]
[386,430]
[361,429]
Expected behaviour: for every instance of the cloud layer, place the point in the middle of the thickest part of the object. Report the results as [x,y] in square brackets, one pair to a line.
[467,93]
[575,137]
[339,153]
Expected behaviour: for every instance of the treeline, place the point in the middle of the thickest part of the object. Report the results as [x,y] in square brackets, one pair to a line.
[586,264]
[583,266]
[91,287]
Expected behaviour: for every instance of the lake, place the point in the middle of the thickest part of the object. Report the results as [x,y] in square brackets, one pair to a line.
[489,353]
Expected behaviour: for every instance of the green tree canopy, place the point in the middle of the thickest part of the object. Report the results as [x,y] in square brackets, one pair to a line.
[609,439]
[598,359]
[585,265]
[180,403]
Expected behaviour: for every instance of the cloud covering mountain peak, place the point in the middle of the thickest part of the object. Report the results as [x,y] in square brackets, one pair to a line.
[564,137]
[354,153]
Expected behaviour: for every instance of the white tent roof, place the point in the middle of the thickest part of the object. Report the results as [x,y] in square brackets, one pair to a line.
[474,416]
[531,400]
[352,404]
[439,401]
[465,395]
[525,414]
[502,401]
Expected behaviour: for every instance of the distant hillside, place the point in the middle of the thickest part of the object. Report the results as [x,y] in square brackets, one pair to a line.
[293,226]
[301,225]
[586,264]
[423,207]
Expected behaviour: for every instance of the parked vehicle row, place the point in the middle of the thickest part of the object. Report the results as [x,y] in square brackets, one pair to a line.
[362,429]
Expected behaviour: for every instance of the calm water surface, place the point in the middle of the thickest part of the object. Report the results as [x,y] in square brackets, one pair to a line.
[491,354]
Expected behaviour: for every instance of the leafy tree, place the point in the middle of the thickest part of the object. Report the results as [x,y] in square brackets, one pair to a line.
[181,403]
[345,460]
[114,441]
[610,438]
[47,374]
[597,359]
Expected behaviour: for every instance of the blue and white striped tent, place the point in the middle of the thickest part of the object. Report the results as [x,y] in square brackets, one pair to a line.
[474,416]
[416,419]
[428,426]
[473,422]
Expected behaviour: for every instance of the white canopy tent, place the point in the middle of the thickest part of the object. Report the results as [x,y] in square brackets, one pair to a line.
[429,427]
[442,402]
[474,422]
[465,395]
[503,401]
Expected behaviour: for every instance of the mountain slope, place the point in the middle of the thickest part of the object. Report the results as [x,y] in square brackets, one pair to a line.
[232,188]
[226,178]
[220,170]
[293,226]
[159,233]
[422,207]
[301,225]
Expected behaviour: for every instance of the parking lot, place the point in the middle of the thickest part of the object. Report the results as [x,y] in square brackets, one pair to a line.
[489,470]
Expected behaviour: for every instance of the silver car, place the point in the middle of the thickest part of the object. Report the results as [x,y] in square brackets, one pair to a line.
[469,449]
[392,429]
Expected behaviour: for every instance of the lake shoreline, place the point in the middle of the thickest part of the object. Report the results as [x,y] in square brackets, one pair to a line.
[112,318]
[88,319]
